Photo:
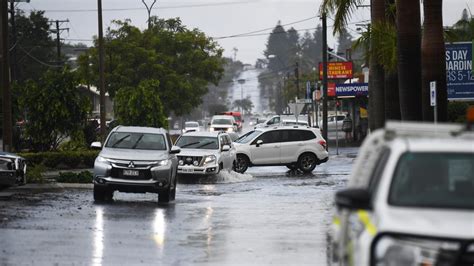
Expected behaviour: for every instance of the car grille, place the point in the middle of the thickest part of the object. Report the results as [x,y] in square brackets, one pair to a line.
[188,160]
[142,174]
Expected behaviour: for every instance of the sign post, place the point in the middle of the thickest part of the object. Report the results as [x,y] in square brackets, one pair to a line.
[433,100]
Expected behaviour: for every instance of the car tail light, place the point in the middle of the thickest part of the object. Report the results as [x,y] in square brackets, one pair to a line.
[322,143]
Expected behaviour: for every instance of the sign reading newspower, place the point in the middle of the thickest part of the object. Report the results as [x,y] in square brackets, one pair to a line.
[459,77]
[352,89]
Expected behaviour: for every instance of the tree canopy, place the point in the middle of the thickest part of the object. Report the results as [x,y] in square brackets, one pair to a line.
[184,62]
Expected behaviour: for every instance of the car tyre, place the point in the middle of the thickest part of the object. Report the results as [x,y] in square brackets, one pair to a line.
[164,196]
[307,162]
[242,164]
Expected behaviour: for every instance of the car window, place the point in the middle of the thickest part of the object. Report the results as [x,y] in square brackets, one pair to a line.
[222,141]
[269,137]
[246,138]
[140,141]
[378,170]
[437,180]
[168,139]
[198,142]
[228,140]
[222,121]
[306,135]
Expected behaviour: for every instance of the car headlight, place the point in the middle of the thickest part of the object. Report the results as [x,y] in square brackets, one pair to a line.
[230,130]
[209,159]
[163,162]
[211,129]
[410,251]
[101,159]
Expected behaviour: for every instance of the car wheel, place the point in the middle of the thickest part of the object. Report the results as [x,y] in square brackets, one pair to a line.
[307,162]
[102,194]
[164,196]
[292,166]
[242,164]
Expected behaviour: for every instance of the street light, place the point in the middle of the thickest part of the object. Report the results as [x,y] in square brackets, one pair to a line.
[241,82]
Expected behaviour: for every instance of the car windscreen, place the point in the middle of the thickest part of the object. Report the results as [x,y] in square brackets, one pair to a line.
[191,124]
[197,142]
[221,121]
[246,138]
[237,118]
[436,180]
[138,141]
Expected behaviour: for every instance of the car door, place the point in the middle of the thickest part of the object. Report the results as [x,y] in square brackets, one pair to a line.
[232,152]
[269,151]
[291,145]
[224,154]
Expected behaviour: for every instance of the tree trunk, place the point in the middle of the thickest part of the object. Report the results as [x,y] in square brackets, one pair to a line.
[433,60]
[409,58]
[392,102]
[376,74]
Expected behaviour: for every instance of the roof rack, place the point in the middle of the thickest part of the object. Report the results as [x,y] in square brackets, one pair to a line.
[422,129]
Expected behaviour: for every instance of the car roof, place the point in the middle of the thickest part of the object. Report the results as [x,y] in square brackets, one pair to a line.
[130,129]
[203,133]
[223,116]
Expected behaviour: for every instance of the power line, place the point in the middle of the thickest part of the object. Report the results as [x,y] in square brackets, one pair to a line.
[36,59]
[141,9]
[270,28]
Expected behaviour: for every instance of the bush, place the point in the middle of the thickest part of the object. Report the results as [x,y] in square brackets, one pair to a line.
[457,111]
[83,177]
[35,174]
[62,160]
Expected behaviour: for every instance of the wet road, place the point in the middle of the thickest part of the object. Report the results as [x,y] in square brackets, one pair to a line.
[267,216]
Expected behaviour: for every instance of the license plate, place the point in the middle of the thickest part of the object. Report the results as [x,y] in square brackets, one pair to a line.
[130,172]
[187,170]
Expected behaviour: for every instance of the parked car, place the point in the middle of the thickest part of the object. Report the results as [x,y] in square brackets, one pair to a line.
[225,123]
[334,122]
[12,169]
[191,126]
[233,136]
[296,147]
[277,120]
[205,153]
[138,160]
[409,199]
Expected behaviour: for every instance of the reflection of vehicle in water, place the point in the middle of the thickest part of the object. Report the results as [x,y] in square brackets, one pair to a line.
[205,153]
[409,200]
[238,119]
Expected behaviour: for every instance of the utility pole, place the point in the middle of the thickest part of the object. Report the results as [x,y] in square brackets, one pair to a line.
[101,72]
[14,40]
[297,76]
[325,78]
[5,78]
[58,31]
[148,9]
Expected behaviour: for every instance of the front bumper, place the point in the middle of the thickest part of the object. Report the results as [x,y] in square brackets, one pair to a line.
[157,179]
[198,170]
[8,177]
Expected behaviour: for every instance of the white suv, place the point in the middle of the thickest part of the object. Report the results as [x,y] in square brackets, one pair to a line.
[225,123]
[409,199]
[293,146]
[205,153]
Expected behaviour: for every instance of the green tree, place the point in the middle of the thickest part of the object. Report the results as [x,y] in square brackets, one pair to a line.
[140,106]
[55,109]
[184,61]
[245,104]
[34,47]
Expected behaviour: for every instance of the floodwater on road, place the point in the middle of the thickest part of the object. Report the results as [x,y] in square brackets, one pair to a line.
[267,216]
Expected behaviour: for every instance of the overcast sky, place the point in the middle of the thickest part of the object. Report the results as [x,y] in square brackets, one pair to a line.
[217,18]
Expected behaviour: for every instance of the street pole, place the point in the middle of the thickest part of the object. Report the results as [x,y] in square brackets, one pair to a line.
[325,79]
[14,40]
[5,78]
[101,72]
[297,76]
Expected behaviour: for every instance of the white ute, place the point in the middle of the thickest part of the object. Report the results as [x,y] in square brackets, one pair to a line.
[409,200]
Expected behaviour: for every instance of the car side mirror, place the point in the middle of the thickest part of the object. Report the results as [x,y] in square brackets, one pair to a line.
[235,124]
[96,145]
[353,199]
[259,142]
[175,150]
[243,120]
[226,148]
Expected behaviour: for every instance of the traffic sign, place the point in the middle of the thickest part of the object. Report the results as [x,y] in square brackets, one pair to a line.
[433,93]
[303,101]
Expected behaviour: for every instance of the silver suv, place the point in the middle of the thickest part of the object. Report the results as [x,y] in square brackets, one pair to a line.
[137,160]
[205,153]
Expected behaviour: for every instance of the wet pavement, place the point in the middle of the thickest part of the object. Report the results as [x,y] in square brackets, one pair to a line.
[267,216]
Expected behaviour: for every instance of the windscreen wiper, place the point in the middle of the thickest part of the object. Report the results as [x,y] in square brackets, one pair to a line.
[189,144]
[120,140]
[138,140]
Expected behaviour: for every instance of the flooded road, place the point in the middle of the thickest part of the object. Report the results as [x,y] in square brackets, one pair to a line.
[267,216]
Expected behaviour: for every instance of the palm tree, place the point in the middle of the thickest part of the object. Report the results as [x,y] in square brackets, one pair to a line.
[409,58]
[433,60]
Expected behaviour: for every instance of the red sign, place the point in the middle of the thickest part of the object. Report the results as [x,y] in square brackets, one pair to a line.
[331,89]
[337,70]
